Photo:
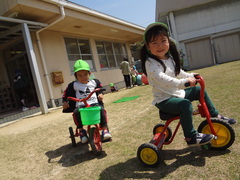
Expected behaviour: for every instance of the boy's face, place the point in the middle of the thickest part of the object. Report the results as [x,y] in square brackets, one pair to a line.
[83,76]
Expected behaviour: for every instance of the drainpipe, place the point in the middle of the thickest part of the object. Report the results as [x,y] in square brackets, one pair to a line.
[213,51]
[46,74]
[171,22]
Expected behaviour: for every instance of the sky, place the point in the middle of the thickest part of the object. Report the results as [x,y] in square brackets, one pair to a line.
[140,12]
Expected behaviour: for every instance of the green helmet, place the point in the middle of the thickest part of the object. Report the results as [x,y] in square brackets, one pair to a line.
[81,65]
[160,24]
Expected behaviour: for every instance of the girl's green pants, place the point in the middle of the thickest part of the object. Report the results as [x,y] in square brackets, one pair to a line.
[183,108]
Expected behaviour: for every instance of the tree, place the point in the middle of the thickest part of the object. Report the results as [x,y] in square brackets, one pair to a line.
[135,49]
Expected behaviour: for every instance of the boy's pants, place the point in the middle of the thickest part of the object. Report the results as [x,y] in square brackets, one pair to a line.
[183,108]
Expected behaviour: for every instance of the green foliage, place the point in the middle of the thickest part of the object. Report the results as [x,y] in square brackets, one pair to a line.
[135,49]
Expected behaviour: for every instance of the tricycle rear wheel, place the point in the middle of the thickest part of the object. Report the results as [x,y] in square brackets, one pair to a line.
[95,141]
[159,128]
[149,155]
[72,136]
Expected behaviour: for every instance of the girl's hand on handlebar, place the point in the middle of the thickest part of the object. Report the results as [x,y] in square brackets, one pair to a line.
[65,105]
[192,82]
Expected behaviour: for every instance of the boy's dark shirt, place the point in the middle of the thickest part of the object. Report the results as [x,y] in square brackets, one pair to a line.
[70,92]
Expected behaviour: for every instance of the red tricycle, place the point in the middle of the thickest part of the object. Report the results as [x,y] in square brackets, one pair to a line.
[150,154]
[90,116]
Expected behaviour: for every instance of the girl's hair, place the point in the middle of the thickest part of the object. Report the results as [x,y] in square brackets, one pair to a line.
[151,34]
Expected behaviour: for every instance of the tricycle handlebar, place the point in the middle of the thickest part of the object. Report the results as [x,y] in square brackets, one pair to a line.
[197,77]
[86,98]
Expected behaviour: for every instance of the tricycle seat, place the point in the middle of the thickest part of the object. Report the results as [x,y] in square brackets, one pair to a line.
[166,116]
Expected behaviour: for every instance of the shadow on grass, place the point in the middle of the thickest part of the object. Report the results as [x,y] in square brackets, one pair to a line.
[133,169]
[69,156]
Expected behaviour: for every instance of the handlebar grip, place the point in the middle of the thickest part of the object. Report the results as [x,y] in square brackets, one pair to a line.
[73,99]
[102,89]
[197,76]
[187,84]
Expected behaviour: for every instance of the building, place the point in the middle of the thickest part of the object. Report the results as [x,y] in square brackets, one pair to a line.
[44,38]
[208,31]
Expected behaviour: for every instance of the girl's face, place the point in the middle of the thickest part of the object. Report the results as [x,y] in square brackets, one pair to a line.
[159,46]
[83,76]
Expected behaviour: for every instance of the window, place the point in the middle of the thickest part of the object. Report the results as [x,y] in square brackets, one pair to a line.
[78,49]
[120,52]
[110,54]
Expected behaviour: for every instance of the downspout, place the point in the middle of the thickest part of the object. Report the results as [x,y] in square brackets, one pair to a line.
[171,22]
[213,51]
[46,74]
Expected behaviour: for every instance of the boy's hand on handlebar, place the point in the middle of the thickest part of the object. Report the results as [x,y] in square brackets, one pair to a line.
[100,97]
[65,105]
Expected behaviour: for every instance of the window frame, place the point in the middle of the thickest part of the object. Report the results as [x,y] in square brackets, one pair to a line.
[123,53]
[80,54]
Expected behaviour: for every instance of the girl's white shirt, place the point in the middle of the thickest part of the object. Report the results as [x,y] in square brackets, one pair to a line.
[165,84]
[83,90]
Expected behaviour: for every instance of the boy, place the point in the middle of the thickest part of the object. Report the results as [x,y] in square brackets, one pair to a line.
[80,89]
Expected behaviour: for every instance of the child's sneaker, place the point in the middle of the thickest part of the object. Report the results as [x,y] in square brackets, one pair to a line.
[106,135]
[25,108]
[83,136]
[200,139]
[229,120]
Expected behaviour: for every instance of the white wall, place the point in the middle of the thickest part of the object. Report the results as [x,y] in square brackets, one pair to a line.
[201,22]
[205,20]
[164,6]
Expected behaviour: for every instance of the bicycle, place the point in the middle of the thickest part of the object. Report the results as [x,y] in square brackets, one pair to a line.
[92,120]
[150,154]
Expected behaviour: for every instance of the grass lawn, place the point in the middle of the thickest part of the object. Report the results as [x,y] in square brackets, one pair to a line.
[40,148]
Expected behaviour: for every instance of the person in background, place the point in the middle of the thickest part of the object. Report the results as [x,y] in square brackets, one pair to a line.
[113,88]
[134,74]
[20,86]
[161,64]
[80,89]
[126,71]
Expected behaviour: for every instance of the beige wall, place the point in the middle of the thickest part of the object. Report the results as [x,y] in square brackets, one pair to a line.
[74,21]
[56,60]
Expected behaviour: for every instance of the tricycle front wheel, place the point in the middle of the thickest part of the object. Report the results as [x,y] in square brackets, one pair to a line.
[224,131]
[95,141]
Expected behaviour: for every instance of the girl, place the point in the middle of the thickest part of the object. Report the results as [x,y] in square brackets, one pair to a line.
[161,63]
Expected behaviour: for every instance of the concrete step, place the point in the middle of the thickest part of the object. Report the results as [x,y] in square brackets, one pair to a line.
[18,115]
